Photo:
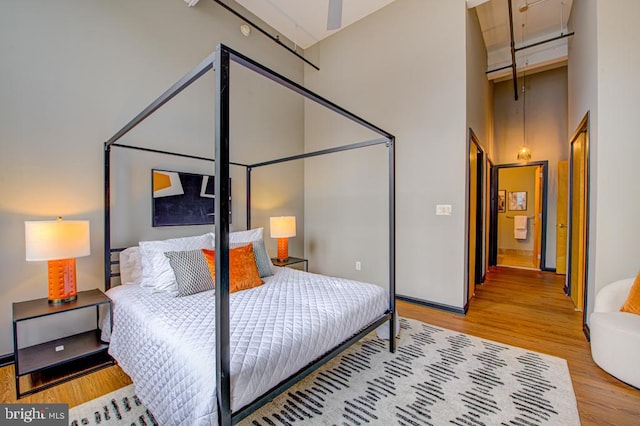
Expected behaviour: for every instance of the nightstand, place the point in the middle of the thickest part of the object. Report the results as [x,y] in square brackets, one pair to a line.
[291,261]
[50,363]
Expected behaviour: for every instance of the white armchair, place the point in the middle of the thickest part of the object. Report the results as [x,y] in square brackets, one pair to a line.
[615,335]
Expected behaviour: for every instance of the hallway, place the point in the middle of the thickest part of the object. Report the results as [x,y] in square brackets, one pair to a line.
[529,309]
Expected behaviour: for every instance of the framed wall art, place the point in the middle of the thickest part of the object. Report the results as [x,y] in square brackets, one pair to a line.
[502,201]
[181,199]
[518,201]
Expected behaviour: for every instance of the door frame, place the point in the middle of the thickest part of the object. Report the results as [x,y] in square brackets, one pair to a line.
[491,220]
[493,238]
[583,127]
[472,140]
[493,216]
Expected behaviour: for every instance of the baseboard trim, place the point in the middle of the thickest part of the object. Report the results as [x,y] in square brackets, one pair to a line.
[587,332]
[439,306]
[6,360]
[549,269]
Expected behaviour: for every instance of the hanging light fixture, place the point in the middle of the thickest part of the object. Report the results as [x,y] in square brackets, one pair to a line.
[524,153]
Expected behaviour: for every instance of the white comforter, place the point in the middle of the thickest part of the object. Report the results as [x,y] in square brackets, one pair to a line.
[167,344]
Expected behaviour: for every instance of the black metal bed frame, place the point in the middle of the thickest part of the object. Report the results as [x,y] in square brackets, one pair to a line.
[220,61]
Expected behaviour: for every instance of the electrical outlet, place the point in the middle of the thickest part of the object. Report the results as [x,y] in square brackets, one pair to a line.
[358,265]
[443,209]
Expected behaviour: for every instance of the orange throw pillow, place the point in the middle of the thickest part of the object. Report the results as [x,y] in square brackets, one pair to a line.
[632,304]
[243,271]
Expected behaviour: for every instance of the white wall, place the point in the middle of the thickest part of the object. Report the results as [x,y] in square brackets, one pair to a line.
[618,230]
[479,105]
[603,70]
[546,128]
[404,69]
[618,186]
[583,98]
[73,73]
[479,88]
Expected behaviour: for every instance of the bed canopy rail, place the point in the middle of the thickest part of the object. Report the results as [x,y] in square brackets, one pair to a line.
[220,62]
[193,75]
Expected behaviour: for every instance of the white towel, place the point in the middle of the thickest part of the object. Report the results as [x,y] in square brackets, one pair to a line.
[520,227]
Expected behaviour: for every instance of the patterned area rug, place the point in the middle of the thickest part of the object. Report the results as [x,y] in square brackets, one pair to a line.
[121,407]
[436,377]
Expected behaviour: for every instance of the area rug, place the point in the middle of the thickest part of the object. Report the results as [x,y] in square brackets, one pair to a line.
[436,377]
[120,407]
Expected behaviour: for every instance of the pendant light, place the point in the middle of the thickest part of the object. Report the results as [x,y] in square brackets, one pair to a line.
[524,153]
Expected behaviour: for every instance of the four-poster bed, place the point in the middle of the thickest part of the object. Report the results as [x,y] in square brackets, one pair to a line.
[370,317]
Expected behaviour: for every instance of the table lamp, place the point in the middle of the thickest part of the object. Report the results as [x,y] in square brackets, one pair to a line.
[282,228]
[59,242]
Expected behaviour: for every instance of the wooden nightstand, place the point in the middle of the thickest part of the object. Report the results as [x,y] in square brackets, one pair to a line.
[291,261]
[56,361]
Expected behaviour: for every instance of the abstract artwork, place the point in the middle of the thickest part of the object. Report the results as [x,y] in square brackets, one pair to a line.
[181,198]
[502,201]
[518,200]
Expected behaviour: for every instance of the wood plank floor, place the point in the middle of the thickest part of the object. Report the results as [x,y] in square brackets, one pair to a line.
[517,307]
[516,260]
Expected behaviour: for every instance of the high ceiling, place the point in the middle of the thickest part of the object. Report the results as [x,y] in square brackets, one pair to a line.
[305,23]
[533,21]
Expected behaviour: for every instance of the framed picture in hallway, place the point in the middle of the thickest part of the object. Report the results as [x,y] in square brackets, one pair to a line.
[502,201]
[518,200]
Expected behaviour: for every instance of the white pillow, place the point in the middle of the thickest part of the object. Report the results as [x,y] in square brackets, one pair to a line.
[131,266]
[246,236]
[156,269]
[242,236]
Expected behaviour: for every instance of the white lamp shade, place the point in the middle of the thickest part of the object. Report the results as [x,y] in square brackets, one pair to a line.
[283,226]
[56,239]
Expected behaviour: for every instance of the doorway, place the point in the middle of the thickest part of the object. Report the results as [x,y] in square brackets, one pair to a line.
[518,215]
[475,218]
[562,217]
[578,216]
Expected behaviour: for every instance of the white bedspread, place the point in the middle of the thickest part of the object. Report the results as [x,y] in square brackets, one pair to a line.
[167,344]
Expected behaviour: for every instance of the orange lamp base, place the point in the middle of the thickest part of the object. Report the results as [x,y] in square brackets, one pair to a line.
[62,281]
[283,249]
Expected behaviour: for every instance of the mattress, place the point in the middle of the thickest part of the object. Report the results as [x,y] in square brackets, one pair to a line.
[167,344]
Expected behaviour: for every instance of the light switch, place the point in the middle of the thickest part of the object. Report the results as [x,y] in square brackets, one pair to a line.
[443,210]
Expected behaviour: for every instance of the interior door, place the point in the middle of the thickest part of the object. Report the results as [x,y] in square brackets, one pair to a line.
[493,218]
[537,219]
[473,212]
[475,237]
[562,208]
[578,214]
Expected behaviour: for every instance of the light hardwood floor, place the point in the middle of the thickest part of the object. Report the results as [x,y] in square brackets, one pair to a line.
[516,260]
[517,307]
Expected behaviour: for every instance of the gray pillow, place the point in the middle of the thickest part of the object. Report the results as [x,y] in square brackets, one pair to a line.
[263,262]
[192,271]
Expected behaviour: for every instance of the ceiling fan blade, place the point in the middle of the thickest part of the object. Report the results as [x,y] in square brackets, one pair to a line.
[334,18]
